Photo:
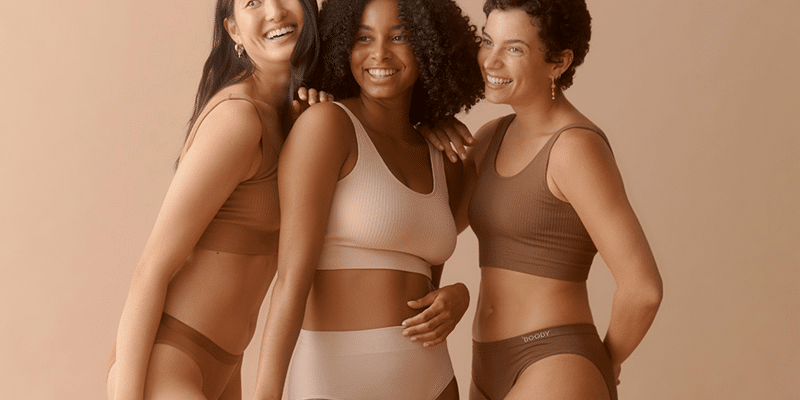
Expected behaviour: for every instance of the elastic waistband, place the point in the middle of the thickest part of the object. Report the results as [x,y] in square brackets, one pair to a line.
[367,341]
[175,325]
[531,337]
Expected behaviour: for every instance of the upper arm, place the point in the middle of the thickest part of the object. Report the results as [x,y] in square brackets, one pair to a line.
[583,171]
[223,153]
[317,148]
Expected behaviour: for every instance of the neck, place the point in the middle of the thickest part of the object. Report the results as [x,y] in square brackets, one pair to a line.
[545,115]
[271,85]
[389,116]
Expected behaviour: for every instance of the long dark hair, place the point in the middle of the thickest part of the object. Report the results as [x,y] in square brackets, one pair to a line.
[224,68]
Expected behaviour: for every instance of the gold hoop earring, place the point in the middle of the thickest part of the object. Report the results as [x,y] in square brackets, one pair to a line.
[552,88]
[239,50]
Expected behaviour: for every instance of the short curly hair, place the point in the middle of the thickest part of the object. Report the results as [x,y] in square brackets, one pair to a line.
[444,43]
[562,24]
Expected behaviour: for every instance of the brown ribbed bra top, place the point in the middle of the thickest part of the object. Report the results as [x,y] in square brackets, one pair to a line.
[248,221]
[521,225]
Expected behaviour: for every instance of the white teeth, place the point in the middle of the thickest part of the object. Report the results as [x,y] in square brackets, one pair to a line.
[280,32]
[382,73]
[497,81]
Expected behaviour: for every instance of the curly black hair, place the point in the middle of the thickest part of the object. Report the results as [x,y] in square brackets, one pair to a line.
[562,24]
[444,43]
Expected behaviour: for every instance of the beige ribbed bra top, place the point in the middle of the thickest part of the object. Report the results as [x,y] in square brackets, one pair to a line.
[377,222]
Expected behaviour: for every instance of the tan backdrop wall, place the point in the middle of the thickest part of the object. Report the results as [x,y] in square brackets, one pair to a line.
[700,101]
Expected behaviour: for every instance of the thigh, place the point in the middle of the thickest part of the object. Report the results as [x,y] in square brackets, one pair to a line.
[450,392]
[560,377]
[172,374]
[233,390]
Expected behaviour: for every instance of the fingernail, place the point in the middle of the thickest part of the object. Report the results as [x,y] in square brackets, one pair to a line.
[463,155]
[426,345]
[440,147]
[413,339]
[404,323]
[453,158]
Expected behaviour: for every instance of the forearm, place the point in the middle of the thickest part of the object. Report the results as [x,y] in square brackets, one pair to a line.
[135,336]
[284,321]
[632,313]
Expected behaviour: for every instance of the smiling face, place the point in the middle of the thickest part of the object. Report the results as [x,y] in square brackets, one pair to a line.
[512,59]
[268,29]
[382,60]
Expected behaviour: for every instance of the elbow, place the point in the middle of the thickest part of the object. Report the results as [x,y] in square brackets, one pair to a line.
[651,295]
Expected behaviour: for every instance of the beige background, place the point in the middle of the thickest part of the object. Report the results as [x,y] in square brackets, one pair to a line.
[699,99]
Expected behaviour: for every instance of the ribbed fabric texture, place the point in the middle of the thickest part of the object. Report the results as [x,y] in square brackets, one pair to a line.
[376,222]
[248,221]
[521,226]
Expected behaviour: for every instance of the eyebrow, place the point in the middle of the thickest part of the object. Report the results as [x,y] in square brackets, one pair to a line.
[396,27]
[507,42]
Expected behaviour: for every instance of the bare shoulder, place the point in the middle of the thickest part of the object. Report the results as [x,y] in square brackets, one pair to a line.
[580,144]
[322,131]
[232,119]
[323,121]
[581,165]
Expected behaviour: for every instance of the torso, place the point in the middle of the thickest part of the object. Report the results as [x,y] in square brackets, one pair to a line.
[513,299]
[380,215]
[220,288]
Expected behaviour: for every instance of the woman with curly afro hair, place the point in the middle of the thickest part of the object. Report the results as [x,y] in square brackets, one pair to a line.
[547,199]
[367,210]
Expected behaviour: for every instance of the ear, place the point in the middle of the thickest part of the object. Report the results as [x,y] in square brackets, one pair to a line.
[564,61]
[232,28]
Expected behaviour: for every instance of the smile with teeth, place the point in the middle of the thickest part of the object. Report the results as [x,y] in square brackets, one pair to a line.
[382,73]
[497,81]
[279,32]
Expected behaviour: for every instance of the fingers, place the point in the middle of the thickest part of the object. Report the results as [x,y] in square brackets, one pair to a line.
[302,94]
[313,96]
[431,332]
[423,302]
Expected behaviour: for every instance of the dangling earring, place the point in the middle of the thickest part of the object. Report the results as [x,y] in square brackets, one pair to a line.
[239,49]
[552,88]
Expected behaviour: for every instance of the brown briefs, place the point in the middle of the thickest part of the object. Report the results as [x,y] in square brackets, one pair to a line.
[217,366]
[496,366]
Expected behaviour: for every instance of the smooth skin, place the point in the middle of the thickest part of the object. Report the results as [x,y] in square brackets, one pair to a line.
[214,292]
[581,172]
[321,150]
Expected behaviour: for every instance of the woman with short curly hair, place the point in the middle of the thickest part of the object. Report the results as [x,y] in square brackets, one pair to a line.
[548,197]
[367,210]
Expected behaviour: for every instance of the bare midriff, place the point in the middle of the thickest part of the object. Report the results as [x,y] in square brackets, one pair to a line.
[219,295]
[512,303]
[358,299]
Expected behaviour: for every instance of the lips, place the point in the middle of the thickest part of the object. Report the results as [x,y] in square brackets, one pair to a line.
[382,72]
[497,81]
[280,32]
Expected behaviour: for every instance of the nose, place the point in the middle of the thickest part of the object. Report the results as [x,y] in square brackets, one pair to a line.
[276,10]
[379,50]
[490,59]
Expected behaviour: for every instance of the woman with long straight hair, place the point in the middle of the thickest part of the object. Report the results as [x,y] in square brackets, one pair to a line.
[193,304]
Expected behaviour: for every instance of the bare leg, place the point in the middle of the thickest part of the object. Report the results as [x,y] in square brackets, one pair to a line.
[172,374]
[233,390]
[560,377]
